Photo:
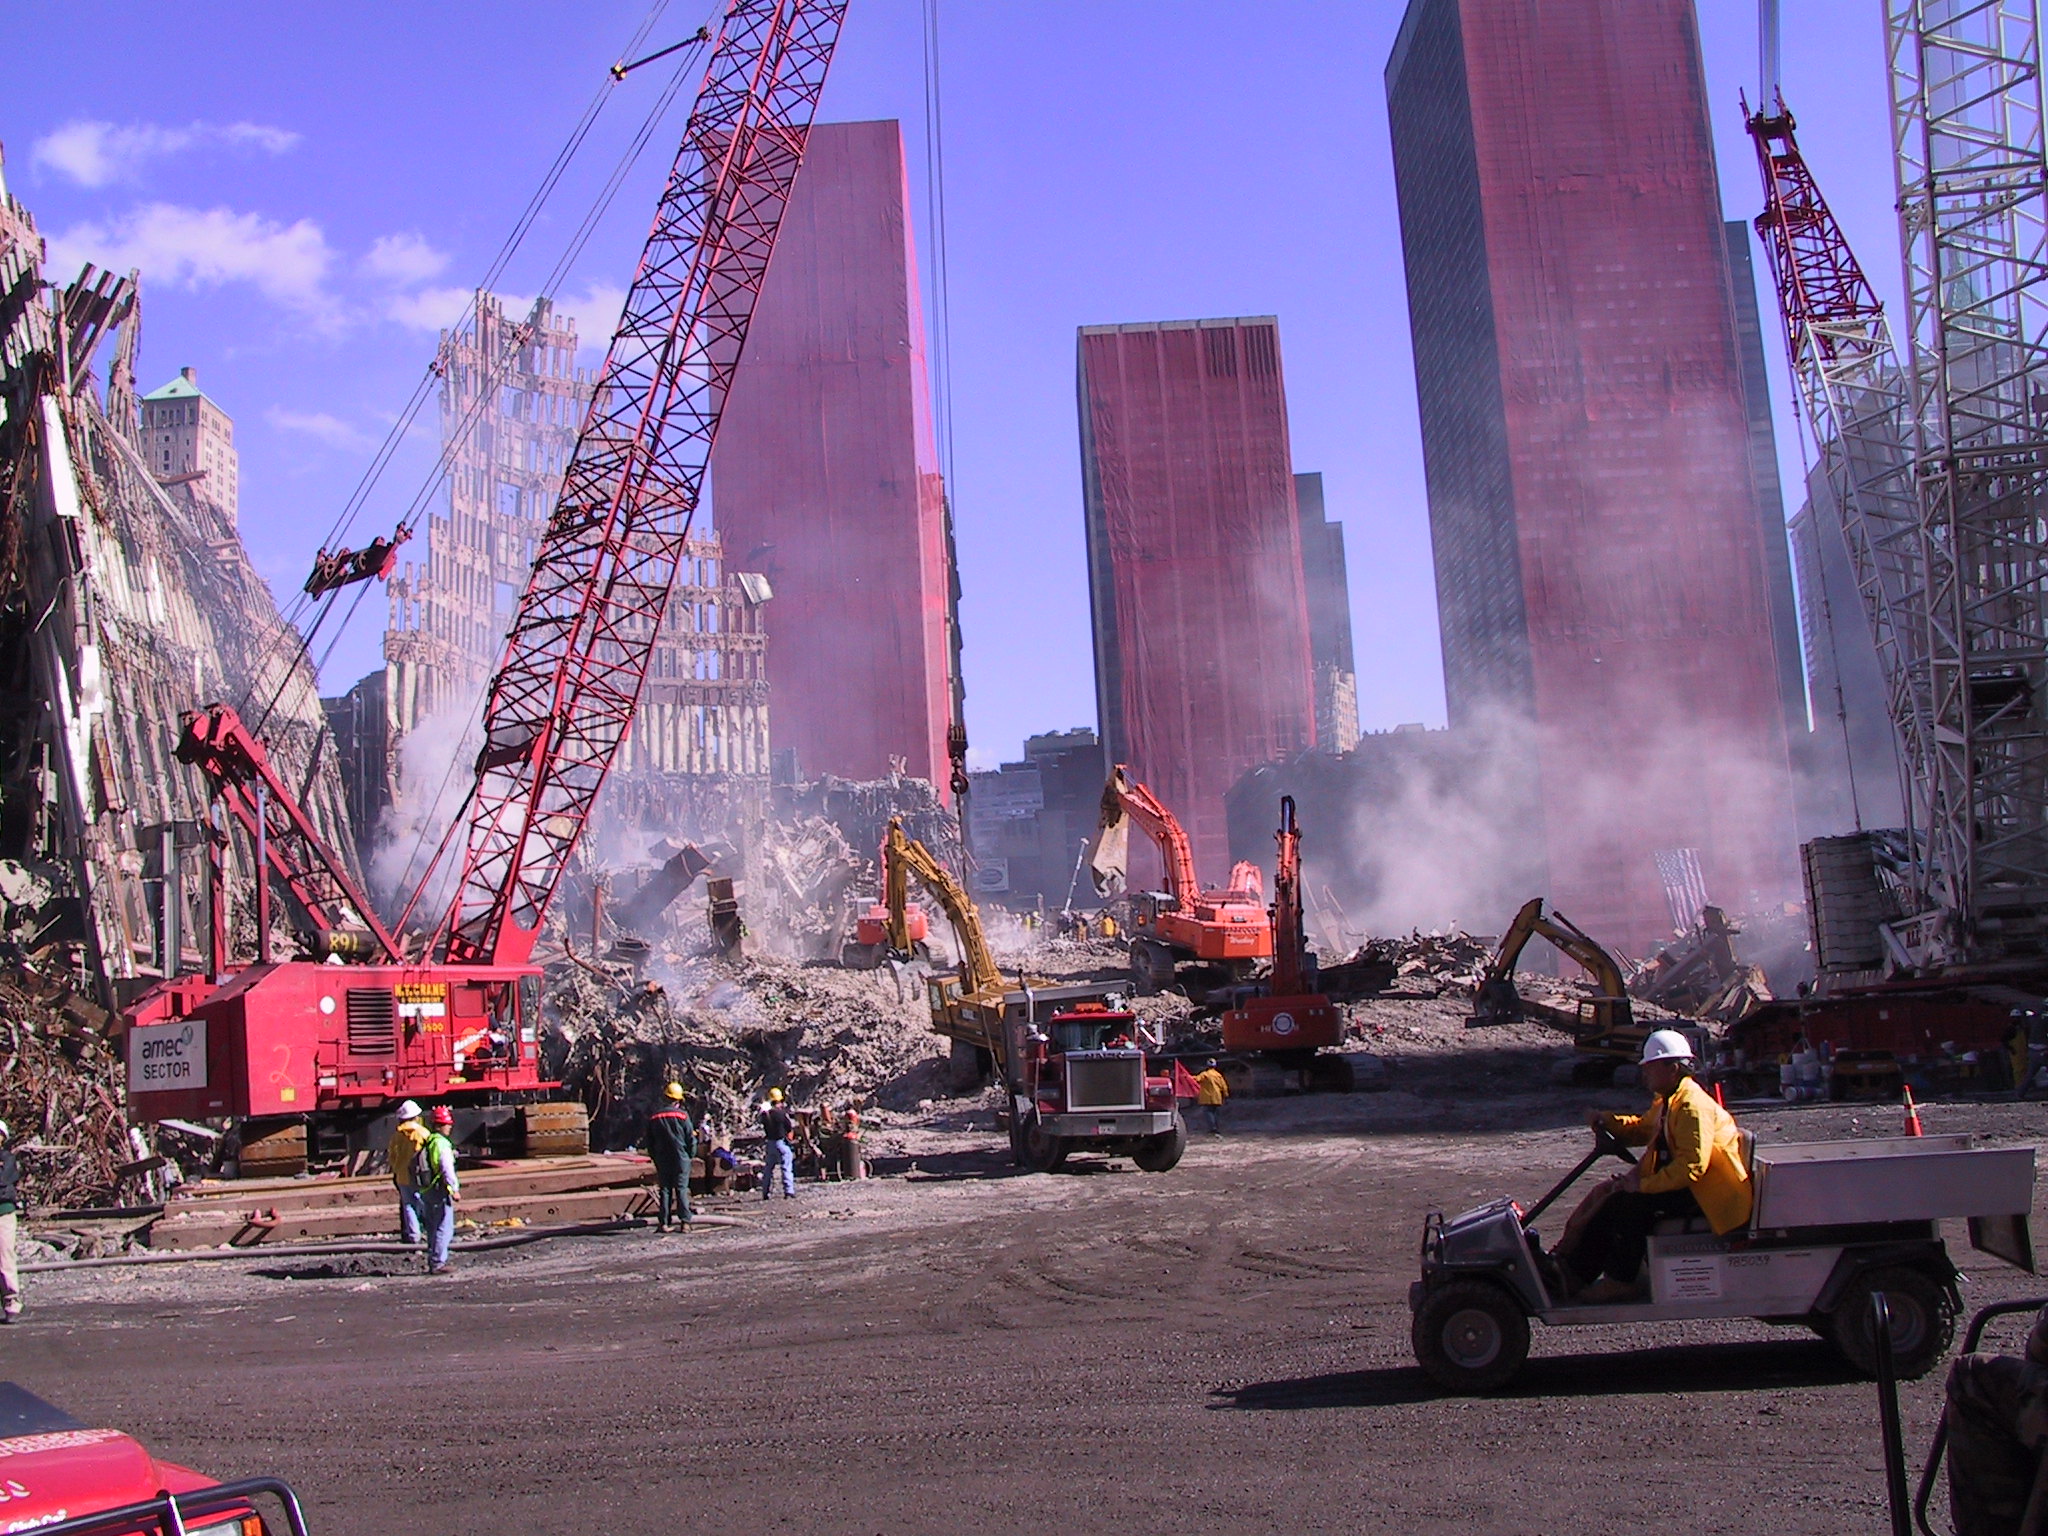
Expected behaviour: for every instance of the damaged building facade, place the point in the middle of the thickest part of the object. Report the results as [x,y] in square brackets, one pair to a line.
[126,600]
[512,400]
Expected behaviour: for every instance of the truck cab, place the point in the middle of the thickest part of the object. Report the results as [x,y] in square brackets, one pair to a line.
[1084,1084]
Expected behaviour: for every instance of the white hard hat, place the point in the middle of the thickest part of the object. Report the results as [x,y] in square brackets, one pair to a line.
[409,1110]
[1666,1045]
[4,1131]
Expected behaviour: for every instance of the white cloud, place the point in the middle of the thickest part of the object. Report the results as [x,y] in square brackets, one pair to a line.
[206,248]
[95,153]
[404,260]
[428,309]
[596,313]
[321,427]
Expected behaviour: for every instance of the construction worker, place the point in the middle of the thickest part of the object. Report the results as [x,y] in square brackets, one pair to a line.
[778,1155]
[1210,1091]
[1693,1167]
[849,1131]
[434,1173]
[407,1138]
[1997,1431]
[671,1142]
[10,1205]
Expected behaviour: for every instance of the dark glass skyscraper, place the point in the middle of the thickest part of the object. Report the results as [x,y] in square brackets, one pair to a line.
[1610,590]
[1202,661]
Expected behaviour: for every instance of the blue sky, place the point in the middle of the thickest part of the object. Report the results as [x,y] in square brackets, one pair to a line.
[308,189]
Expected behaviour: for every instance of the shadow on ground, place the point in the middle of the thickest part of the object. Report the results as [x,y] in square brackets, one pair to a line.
[1747,1367]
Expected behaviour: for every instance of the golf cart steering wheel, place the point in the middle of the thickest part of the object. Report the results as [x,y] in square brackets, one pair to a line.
[1607,1144]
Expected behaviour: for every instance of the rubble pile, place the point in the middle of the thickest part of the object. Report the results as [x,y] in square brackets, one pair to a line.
[1421,965]
[60,1092]
[806,883]
[729,1030]
[1700,975]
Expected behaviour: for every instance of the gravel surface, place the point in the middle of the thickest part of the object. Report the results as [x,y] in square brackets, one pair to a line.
[1223,1347]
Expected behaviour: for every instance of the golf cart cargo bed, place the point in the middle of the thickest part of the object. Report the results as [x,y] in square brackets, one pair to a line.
[1907,1178]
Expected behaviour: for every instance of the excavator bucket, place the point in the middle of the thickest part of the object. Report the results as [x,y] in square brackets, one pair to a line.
[1109,856]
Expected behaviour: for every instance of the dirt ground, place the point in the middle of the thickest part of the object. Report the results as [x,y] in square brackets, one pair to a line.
[956,1347]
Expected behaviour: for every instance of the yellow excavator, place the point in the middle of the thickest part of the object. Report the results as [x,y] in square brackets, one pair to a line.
[1067,1056]
[1603,1025]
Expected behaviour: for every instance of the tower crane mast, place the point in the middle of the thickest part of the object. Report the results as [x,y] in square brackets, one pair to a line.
[1937,460]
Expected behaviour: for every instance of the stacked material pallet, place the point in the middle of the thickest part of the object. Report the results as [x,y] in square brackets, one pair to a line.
[529,1192]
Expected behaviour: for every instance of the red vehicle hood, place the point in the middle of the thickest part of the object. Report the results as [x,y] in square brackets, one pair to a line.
[60,1468]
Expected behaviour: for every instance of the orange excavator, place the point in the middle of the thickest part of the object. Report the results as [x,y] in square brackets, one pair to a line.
[1289,1020]
[894,925]
[1183,923]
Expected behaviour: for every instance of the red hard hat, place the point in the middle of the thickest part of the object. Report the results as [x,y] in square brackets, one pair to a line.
[442,1115]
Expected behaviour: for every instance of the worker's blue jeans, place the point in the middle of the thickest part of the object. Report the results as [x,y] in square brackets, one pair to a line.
[440,1224]
[412,1213]
[1213,1115]
[779,1156]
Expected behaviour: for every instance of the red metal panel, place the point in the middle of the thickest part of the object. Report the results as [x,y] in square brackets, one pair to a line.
[825,477]
[1641,566]
[1195,559]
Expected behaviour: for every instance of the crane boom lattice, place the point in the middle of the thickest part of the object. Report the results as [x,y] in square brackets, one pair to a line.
[1973,210]
[576,655]
[1857,400]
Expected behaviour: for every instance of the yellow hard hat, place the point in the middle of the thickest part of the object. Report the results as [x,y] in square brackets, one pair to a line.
[774,1095]
[674,1090]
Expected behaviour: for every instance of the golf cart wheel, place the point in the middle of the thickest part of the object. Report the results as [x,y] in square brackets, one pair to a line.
[1161,1152]
[1923,1321]
[1471,1336]
[1043,1153]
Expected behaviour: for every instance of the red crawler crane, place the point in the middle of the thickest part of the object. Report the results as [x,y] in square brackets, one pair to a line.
[1185,922]
[295,1043]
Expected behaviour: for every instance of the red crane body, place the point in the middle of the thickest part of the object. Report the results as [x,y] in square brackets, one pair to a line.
[1287,1019]
[298,1038]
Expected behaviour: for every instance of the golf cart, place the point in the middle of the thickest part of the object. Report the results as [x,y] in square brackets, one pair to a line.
[1833,1222]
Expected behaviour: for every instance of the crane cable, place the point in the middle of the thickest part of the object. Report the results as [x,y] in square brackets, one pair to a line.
[577,242]
[496,369]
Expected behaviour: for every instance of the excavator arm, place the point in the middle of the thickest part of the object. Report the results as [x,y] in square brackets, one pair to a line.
[1611,1020]
[1123,799]
[907,858]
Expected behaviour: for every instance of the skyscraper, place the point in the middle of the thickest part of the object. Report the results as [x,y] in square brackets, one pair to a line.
[1328,587]
[1602,574]
[825,476]
[190,442]
[1202,661]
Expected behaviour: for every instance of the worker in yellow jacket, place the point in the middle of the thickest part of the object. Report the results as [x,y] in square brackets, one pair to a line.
[1211,1089]
[1692,1166]
[407,1138]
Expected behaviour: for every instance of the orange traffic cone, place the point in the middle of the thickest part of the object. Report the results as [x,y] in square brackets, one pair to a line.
[1912,1116]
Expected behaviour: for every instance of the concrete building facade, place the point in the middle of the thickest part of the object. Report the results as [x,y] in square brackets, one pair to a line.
[1203,664]
[825,476]
[1603,565]
[190,442]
